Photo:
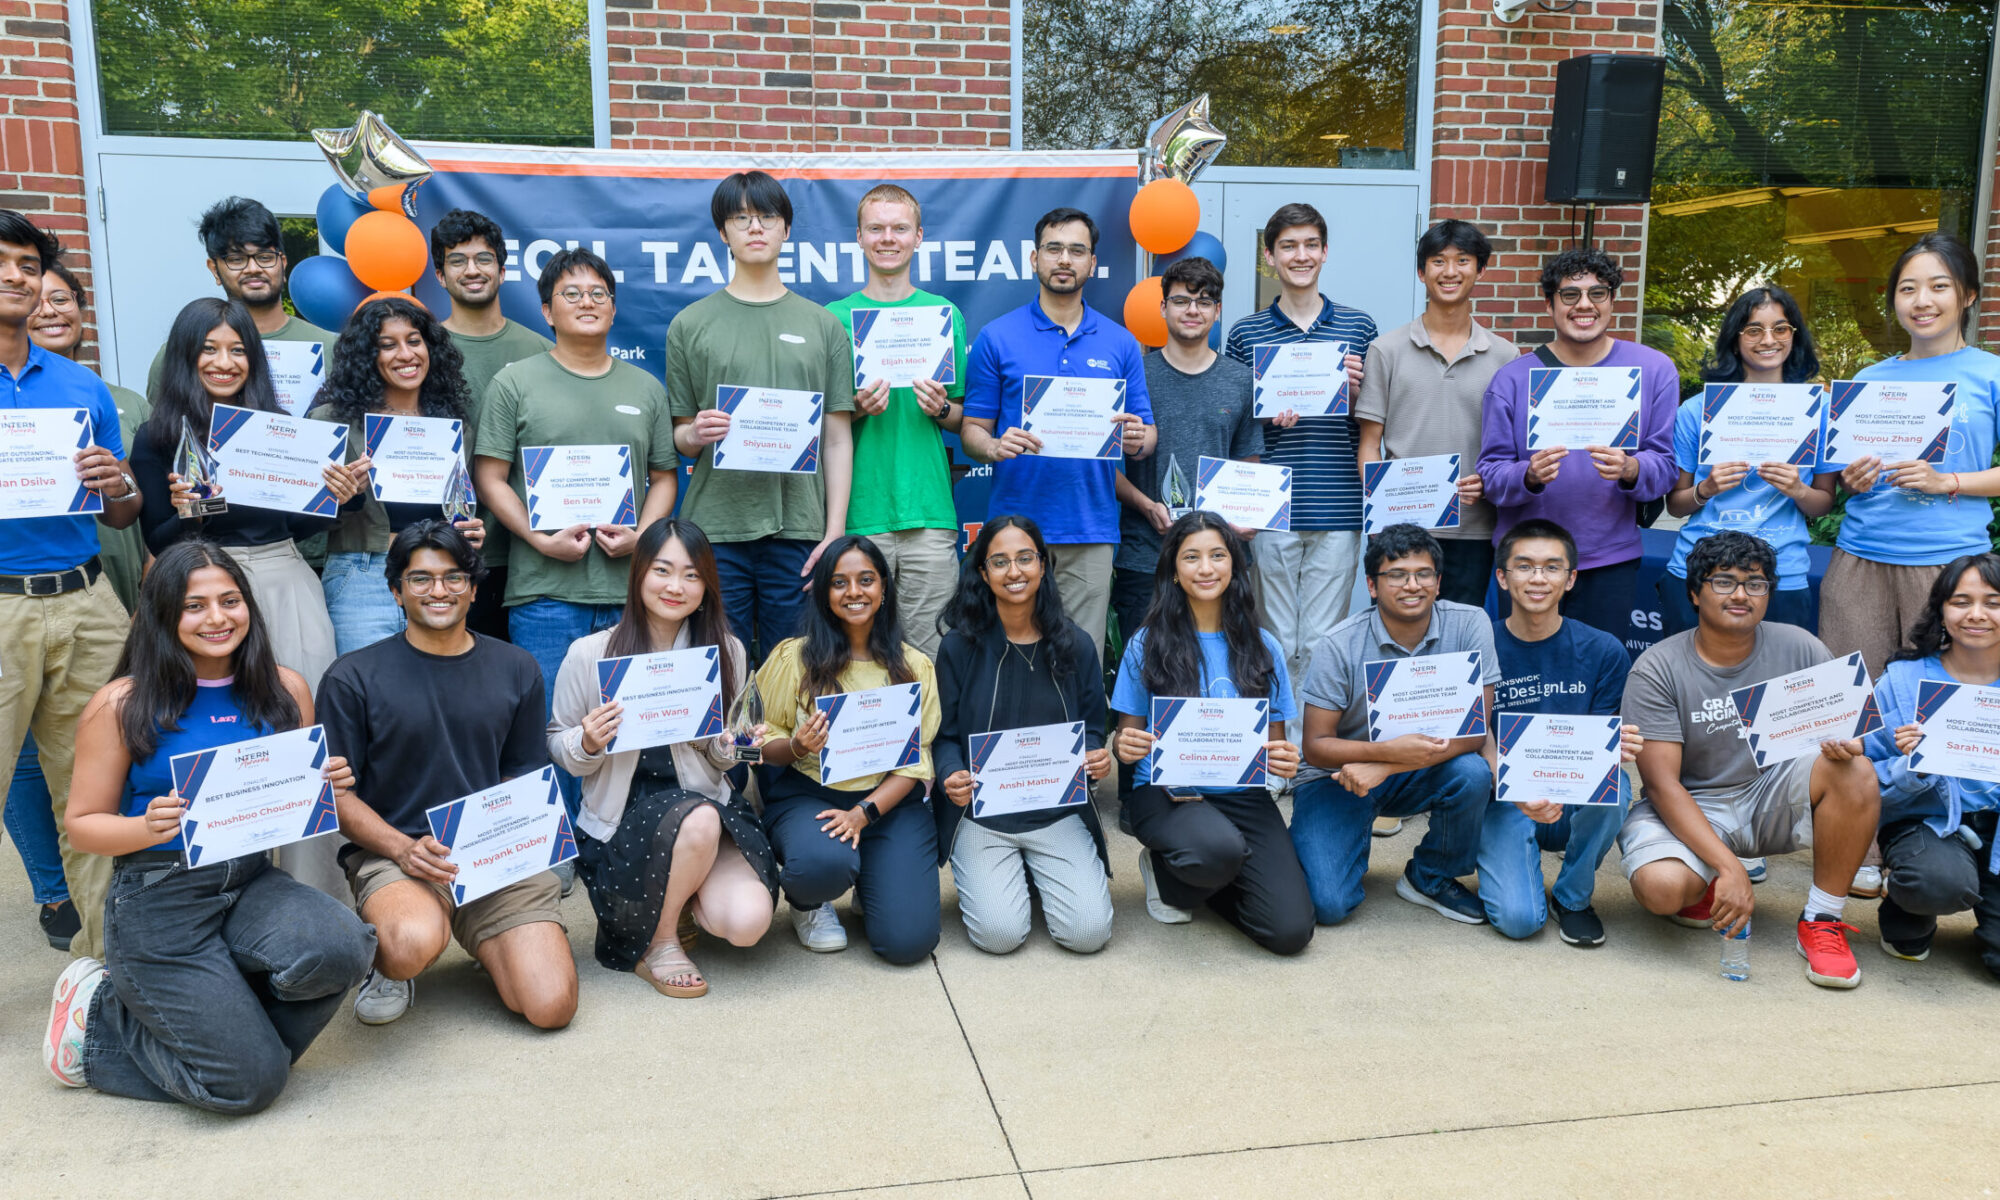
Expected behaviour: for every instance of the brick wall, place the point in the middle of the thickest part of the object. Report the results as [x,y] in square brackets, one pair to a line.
[1495,88]
[804,75]
[41,149]
[1988,329]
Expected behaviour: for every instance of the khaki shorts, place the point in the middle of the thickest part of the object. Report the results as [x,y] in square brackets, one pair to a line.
[533,899]
[1771,816]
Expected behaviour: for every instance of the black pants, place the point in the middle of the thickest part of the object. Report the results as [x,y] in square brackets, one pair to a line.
[1468,570]
[1931,877]
[1232,852]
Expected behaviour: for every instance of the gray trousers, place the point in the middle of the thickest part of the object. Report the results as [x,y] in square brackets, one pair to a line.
[991,871]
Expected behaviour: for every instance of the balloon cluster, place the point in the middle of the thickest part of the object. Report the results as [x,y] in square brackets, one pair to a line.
[1165,218]
[366,220]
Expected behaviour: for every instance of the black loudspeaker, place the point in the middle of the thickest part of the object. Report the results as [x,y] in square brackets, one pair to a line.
[1606,122]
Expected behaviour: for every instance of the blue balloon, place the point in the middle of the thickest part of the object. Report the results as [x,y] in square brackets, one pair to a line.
[1201,245]
[335,212]
[325,291]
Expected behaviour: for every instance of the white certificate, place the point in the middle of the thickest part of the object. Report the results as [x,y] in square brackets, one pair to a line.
[1028,770]
[1203,743]
[1075,417]
[1308,378]
[38,448]
[1788,717]
[770,429]
[1558,759]
[1761,422]
[871,732]
[267,460]
[1895,422]
[504,834]
[903,345]
[1960,724]
[673,696]
[1248,495]
[1410,491]
[412,457]
[1437,695]
[252,796]
[1574,407]
[578,485]
[297,371]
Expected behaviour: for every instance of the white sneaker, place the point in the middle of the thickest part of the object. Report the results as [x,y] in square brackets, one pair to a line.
[62,1047]
[382,999]
[1868,884]
[1756,868]
[819,929]
[1156,908]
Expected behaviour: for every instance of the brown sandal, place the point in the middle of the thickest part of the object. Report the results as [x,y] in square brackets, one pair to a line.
[668,962]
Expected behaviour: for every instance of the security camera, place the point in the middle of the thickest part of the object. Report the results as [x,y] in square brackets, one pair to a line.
[1510,11]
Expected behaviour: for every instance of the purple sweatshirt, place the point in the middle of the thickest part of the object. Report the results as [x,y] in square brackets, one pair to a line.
[1601,515]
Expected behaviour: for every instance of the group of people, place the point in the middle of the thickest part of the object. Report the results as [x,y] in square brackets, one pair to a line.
[445,657]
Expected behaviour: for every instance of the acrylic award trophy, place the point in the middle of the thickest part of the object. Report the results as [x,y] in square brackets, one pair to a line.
[745,715]
[461,504]
[196,466]
[1174,490]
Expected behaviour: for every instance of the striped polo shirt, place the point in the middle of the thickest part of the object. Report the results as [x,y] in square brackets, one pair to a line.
[1326,480]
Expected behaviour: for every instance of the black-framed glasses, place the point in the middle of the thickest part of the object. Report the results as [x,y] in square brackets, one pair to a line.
[263,258]
[1597,295]
[1065,249]
[1724,585]
[485,258]
[575,295]
[1025,559]
[744,220]
[1423,578]
[1197,303]
[1782,329]
[422,583]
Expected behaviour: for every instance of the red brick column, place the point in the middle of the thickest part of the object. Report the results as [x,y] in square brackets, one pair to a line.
[1987,328]
[41,146]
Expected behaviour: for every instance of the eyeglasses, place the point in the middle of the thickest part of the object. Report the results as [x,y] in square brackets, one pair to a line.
[1724,585]
[1530,570]
[422,583]
[1780,330]
[263,258]
[1197,303]
[485,258]
[575,295]
[1423,578]
[1065,249]
[1570,295]
[1025,559]
[59,300]
[743,220]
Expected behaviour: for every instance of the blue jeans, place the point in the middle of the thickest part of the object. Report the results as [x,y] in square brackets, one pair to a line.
[545,628]
[1510,859]
[1792,606]
[894,874]
[1330,830]
[358,599]
[31,824]
[762,590]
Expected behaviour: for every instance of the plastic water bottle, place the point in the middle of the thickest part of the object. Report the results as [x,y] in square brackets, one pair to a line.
[1736,955]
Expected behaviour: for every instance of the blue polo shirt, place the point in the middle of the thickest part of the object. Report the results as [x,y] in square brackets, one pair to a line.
[1326,476]
[34,545]
[1074,501]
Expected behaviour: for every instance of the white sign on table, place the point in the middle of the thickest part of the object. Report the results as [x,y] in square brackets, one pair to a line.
[1893,421]
[38,448]
[502,835]
[1788,717]
[1308,378]
[871,732]
[903,345]
[770,429]
[251,796]
[1204,743]
[298,369]
[578,485]
[1247,495]
[669,697]
[1420,491]
[1558,759]
[1960,724]
[1437,695]
[411,458]
[1761,422]
[1076,417]
[1575,407]
[1028,770]
[269,460]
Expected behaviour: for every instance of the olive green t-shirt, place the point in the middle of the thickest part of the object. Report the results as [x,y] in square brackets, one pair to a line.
[123,551]
[293,330]
[788,343]
[902,476]
[539,402]
[484,356]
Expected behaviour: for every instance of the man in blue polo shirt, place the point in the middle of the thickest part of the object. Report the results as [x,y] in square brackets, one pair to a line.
[61,625]
[1074,500]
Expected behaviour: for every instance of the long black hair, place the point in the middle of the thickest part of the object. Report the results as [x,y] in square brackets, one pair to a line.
[181,395]
[162,670]
[1959,262]
[354,383]
[1725,364]
[1928,635]
[1172,665]
[708,624]
[825,652]
[974,608]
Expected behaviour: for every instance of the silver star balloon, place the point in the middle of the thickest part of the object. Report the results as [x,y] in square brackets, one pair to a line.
[369,155]
[1181,144]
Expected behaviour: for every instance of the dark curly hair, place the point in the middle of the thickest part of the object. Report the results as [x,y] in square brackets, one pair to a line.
[1729,549]
[1725,363]
[1928,635]
[354,384]
[1580,260]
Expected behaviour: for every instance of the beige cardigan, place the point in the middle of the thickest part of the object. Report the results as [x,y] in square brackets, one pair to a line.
[607,778]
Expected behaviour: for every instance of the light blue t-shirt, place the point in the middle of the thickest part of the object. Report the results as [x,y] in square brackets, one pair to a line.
[1753,507]
[1910,529]
[1131,696]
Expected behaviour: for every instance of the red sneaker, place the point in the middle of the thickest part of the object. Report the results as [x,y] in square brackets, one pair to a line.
[1700,914]
[1829,959]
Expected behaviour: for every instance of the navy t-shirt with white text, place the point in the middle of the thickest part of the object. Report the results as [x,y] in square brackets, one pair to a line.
[1580,671]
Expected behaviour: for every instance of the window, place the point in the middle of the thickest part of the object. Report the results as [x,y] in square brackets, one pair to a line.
[1319,83]
[459,70]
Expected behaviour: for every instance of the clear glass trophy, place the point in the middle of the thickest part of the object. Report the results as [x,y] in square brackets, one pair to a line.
[745,715]
[194,464]
[461,503]
[1174,490]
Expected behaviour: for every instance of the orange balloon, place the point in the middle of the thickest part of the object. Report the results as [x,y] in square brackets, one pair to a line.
[388,198]
[386,251]
[1165,215]
[1143,317]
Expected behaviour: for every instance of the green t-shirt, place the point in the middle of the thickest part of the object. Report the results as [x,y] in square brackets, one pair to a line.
[788,343]
[902,475]
[539,402]
[484,357]
[293,330]
[123,551]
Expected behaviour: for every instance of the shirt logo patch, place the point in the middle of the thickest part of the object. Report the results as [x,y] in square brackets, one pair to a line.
[629,411]
[793,338]
[1099,363]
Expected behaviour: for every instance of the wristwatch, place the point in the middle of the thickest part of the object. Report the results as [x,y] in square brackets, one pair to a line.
[131,488]
[869,812]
